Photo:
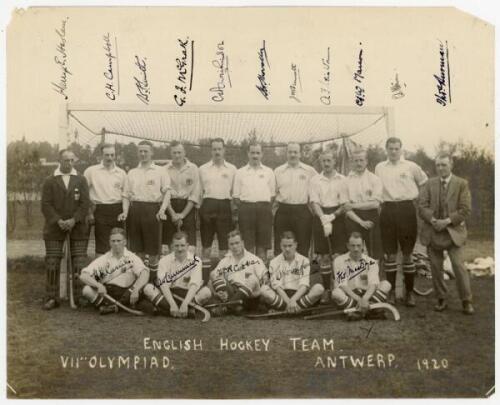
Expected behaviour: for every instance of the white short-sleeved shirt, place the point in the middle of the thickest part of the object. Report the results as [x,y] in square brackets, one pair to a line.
[292,183]
[363,187]
[147,184]
[289,275]
[355,274]
[238,271]
[328,192]
[184,182]
[180,274]
[217,180]
[254,184]
[400,180]
[106,186]
[122,272]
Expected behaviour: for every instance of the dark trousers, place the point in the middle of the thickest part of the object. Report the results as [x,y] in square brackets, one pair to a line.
[106,218]
[188,223]
[296,218]
[371,236]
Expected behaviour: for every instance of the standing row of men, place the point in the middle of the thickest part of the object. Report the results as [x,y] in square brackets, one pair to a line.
[156,202]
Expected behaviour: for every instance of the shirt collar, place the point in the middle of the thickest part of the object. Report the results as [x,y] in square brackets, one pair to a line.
[259,167]
[350,259]
[401,160]
[152,166]
[58,172]
[101,166]
[446,180]
[336,176]
[187,164]
[300,165]
[189,256]
[223,163]
[352,173]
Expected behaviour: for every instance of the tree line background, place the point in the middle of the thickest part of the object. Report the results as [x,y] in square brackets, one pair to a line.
[28,166]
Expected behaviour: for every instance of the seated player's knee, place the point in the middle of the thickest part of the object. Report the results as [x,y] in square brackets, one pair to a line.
[89,293]
[384,286]
[203,295]
[316,290]
[150,291]
[267,294]
[338,295]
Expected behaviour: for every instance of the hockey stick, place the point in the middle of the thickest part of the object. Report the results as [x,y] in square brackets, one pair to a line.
[269,315]
[125,308]
[380,305]
[224,304]
[206,313]
[70,274]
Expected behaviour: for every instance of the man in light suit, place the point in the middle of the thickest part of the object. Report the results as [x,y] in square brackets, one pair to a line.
[445,204]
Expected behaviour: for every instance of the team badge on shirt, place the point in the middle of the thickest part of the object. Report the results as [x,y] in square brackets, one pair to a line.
[261,176]
[187,279]
[404,175]
[189,182]
[117,185]
[150,182]
[369,193]
[303,177]
[224,175]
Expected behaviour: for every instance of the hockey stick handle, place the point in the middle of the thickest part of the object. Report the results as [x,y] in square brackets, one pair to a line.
[380,305]
[125,308]
[70,274]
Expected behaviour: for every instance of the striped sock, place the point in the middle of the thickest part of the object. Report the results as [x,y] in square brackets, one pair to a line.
[391,269]
[278,303]
[379,296]
[305,302]
[219,285]
[326,276]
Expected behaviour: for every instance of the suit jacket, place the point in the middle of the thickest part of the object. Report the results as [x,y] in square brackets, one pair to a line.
[61,203]
[458,202]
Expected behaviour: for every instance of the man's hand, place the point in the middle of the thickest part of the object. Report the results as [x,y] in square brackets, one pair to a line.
[70,223]
[363,305]
[366,224]
[327,229]
[101,290]
[348,206]
[439,224]
[63,225]
[134,297]
[161,216]
[222,295]
[90,219]
[292,307]
[122,217]
[183,310]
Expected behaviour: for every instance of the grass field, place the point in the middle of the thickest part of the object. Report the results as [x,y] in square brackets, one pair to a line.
[37,339]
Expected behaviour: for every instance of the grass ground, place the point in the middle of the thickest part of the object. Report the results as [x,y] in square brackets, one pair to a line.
[37,339]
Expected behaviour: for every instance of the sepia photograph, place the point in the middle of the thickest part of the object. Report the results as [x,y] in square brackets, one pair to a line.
[250,203]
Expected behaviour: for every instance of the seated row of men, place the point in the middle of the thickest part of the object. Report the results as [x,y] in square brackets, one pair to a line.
[240,278]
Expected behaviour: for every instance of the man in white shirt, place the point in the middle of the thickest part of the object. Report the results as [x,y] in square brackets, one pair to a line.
[119,273]
[328,194]
[179,274]
[290,287]
[292,197]
[184,196]
[401,180]
[147,194]
[356,279]
[362,210]
[216,181]
[254,191]
[106,185]
[239,275]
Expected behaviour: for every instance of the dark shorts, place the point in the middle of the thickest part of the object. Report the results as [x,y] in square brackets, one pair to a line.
[215,218]
[371,237]
[296,218]
[337,238]
[188,223]
[398,224]
[255,222]
[121,294]
[106,218]
[143,228]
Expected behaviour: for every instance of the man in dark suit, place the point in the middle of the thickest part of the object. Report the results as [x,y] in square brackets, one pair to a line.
[445,204]
[65,204]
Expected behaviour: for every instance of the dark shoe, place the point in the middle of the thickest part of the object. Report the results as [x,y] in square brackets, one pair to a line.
[468,309]
[326,298]
[218,311]
[391,299]
[108,309]
[440,306]
[375,314]
[410,299]
[51,303]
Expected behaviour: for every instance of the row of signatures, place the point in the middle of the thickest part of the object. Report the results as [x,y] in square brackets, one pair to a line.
[185,63]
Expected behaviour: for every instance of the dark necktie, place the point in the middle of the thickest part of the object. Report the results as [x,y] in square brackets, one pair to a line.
[442,199]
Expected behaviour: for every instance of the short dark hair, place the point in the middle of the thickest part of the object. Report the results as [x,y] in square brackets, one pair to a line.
[234,233]
[173,144]
[118,231]
[393,139]
[180,235]
[254,143]
[288,235]
[146,143]
[217,140]
[106,145]
[444,155]
[64,150]
[355,235]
